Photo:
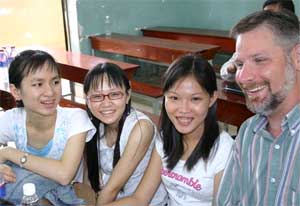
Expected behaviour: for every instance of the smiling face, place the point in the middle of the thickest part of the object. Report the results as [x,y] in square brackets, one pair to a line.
[264,72]
[40,91]
[109,111]
[187,104]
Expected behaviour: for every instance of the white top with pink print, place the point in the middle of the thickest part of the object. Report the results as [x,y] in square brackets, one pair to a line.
[195,187]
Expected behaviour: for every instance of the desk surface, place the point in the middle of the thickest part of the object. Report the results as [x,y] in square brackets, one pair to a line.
[206,36]
[154,49]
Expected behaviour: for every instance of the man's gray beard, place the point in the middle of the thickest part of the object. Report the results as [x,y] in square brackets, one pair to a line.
[274,100]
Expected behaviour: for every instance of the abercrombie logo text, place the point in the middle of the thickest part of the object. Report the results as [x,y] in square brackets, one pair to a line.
[186,180]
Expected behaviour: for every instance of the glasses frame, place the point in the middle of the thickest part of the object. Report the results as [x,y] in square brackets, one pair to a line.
[109,96]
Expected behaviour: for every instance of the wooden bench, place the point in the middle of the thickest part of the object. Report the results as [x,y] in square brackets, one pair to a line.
[147,92]
[146,89]
[205,36]
[148,48]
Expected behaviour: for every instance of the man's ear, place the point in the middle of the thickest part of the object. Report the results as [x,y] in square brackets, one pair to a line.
[15,92]
[213,98]
[296,56]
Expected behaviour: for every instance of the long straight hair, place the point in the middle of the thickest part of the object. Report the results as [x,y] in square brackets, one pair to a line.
[195,66]
[116,76]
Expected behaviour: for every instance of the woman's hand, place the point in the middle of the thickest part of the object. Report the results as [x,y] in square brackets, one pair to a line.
[7,173]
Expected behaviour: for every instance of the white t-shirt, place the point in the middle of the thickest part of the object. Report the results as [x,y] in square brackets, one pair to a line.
[106,158]
[69,122]
[195,187]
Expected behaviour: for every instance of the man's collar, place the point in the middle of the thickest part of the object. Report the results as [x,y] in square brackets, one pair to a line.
[291,120]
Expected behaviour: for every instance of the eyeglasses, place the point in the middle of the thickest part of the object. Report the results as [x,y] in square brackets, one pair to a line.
[101,97]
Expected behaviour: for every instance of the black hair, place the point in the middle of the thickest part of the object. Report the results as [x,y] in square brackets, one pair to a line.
[202,71]
[29,61]
[283,4]
[116,76]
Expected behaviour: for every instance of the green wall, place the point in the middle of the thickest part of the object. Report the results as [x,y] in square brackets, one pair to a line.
[128,16]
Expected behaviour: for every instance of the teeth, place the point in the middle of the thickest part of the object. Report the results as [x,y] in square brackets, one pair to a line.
[254,89]
[184,119]
[107,112]
[47,102]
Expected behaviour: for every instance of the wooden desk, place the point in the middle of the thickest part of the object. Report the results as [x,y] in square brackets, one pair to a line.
[74,65]
[205,36]
[154,49]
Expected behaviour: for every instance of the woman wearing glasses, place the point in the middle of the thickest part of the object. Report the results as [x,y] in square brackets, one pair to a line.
[119,152]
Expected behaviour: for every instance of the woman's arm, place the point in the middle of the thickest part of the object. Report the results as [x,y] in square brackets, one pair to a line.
[61,171]
[138,144]
[217,180]
[147,187]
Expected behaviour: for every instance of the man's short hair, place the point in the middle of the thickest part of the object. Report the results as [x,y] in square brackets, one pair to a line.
[284,25]
[284,4]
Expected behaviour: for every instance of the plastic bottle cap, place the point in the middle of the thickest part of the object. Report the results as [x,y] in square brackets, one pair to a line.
[28,189]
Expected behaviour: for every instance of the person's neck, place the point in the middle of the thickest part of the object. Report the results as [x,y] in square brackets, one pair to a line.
[276,117]
[192,140]
[111,134]
[40,122]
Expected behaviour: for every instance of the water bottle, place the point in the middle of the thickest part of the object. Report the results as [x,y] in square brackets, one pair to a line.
[107,26]
[3,71]
[11,54]
[30,197]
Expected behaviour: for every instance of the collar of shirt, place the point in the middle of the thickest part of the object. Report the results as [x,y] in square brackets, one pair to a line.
[290,122]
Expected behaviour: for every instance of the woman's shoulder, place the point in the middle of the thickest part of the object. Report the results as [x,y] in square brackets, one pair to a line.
[221,153]
[70,109]
[135,123]
[14,113]
[137,115]
[75,121]
[71,112]
[11,118]
[74,116]
[225,138]
[224,144]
